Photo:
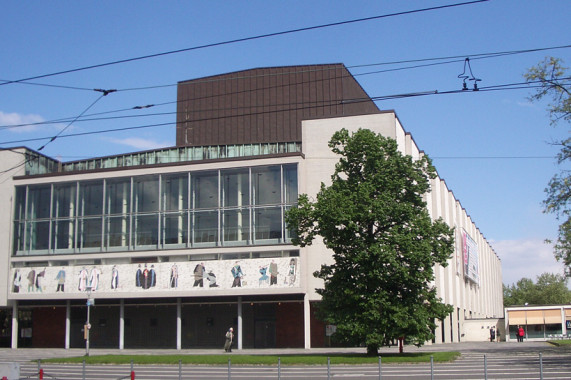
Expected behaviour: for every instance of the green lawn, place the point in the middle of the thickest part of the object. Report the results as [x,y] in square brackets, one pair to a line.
[238,359]
[562,342]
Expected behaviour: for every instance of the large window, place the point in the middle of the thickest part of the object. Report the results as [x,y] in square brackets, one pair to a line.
[242,206]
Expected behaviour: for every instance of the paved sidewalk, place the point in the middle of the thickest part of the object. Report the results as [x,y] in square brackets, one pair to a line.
[26,354]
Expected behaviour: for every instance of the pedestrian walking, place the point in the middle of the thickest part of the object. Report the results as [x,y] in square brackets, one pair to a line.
[229,338]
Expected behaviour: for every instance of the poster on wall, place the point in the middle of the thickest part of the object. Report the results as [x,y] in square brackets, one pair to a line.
[470,253]
[168,276]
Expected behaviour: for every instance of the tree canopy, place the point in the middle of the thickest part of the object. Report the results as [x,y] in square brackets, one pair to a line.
[549,289]
[555,83]
[375,220]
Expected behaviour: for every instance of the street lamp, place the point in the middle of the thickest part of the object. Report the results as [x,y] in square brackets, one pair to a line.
[87,326]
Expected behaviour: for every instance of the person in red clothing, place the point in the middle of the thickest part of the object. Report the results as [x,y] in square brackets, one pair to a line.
[520,334]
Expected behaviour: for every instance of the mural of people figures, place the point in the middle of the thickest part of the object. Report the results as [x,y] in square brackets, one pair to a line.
[94,278]
[148,278]
[292,271]
[237,274]
[199,270]
[173,282]
[82,277]
[31,280]
[139,277]
[264,279]
[60,278]
[114,277]
[17,281]
[211,277]
[273,273]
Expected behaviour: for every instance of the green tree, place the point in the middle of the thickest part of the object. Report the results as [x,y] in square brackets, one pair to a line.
[549,289]
[374,219]
[553,81]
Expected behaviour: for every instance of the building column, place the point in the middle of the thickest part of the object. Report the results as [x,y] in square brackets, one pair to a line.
[306,322]
[15,324]
[563,322]
[121,324]
[178,323]
[67,323]
[239,323]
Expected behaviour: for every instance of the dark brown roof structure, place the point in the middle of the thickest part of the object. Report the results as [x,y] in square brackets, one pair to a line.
[265,104]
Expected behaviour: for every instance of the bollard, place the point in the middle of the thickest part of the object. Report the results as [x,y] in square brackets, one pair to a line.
[41,374]
[279,368]
[431,367]
[380,370]
[485,368]
[4,378]
[540,366]
[132,371]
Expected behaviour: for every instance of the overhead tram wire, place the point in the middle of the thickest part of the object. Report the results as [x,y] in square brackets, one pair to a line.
[455,60]
[503,87]
[245,39]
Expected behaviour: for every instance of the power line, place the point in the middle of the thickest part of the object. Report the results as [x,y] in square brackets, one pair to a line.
[502,87]
[251,38]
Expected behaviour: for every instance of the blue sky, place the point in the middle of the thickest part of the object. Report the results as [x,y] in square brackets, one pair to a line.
[489,146]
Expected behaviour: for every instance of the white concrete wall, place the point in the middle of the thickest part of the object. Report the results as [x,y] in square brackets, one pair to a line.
[15,161]
[482,300]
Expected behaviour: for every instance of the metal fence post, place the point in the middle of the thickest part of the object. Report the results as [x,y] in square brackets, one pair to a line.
[279,368]
[83,371]
[485,367]
[180,370]
[328,368]
[540,366]
[132,371]
[431,367]
[380,370]
[229,366]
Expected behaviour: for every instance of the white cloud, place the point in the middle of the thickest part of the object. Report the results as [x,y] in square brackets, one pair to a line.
[8,119]
[139,143]
[525,258]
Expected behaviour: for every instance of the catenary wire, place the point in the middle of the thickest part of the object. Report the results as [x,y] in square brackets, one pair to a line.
[244,39]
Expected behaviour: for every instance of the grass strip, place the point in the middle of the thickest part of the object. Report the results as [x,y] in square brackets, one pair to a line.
[238,359]
[562,342]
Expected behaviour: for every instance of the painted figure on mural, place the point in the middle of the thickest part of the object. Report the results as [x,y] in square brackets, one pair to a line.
[40,280]
[237,274]
[114,277]
[94,278]
[292,271]
[31,280]
[82,280]
[139,277]
[199,270]
[273,273]
[17,281]
[264,279]
[146,281]
[153,276]
[211,277]
[173,283]
[60,278]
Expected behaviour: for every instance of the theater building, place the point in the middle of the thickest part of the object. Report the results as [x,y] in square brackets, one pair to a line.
[171,247]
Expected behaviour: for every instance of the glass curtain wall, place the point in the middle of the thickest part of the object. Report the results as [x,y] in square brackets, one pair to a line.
[242,206]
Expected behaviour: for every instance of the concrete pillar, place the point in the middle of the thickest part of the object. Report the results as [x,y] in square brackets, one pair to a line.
[306,322]
[178,323]
[67,323]
[121,324]
[15,324]
[239,323]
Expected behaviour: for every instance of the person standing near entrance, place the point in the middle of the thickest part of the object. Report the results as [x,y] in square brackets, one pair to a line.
[520,334]
[229,338]
[492,334]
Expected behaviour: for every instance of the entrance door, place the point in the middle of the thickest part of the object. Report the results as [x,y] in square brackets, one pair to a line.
[265,334]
